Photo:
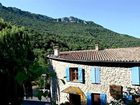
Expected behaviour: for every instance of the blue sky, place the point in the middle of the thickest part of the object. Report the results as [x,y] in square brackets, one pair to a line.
[122,16]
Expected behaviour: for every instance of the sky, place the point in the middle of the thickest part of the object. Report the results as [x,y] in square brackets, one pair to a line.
[122,16]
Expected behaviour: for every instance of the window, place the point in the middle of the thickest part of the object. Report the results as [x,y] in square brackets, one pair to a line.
[135,75]
[74,74]
[96,99]
[95,75]
[116,91]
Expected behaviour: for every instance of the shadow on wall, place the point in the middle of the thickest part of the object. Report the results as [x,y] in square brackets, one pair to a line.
[54,85]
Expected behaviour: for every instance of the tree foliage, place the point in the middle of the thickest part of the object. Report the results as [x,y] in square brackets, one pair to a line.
[19,63]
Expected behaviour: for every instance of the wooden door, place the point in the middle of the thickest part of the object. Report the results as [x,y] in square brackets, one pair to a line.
[96,99]
[75,99]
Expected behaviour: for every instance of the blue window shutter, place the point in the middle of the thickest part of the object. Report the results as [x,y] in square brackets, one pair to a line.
[129,97]
[93,75]
[103,99]
[97,75]
[135,75]
[89,99]
[80,74]
[67,74]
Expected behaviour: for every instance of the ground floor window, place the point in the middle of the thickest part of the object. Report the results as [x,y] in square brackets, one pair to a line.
[116,91]
[96,99]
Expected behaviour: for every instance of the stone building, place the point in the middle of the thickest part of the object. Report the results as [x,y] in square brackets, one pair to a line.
[94,77]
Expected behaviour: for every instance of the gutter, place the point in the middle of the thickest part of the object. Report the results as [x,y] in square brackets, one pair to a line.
[99,63]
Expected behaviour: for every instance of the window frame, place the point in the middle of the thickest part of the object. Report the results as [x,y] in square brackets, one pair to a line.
[79,74]
[73,74]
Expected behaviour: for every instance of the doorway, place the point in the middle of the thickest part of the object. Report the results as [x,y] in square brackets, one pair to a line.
[96,99]
[75,99]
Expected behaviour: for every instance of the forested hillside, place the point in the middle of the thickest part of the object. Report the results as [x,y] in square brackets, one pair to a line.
[70,32]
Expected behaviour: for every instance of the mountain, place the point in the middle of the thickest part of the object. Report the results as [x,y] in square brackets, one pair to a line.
[72,32]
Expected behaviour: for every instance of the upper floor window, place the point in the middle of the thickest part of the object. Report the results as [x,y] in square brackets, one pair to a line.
[74,74]
[135,75]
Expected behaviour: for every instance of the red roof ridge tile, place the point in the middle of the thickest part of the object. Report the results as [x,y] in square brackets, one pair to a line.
[123,48]
[127,48]
[77,51]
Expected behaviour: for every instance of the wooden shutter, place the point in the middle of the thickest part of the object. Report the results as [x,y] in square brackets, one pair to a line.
[93,75]
[67,74]
[80,74]
[103,99]
[89,99]
[129,97]
[135,75]
[97,75]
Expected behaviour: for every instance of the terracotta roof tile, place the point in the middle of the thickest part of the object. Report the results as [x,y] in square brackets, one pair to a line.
[108,55]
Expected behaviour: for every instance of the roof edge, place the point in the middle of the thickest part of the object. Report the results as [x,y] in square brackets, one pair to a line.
[100,63]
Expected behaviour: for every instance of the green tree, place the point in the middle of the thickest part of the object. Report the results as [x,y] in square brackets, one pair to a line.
[19,63]
[16,56]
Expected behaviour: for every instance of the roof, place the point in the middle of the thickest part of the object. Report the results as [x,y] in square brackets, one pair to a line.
[123,55]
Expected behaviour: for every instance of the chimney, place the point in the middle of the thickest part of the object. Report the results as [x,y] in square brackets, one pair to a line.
[56,51]
[96,47]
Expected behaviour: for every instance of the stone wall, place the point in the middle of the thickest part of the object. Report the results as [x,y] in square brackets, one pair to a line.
[109,76]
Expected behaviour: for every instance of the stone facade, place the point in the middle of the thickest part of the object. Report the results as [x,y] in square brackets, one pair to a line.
[108,76]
